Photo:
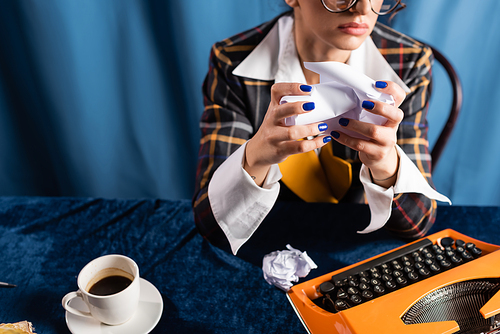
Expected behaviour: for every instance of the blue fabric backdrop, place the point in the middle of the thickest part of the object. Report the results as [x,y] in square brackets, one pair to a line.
[469,36]
[102,98]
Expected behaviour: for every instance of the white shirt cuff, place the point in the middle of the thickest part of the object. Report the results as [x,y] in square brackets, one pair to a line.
[409,180]
[238,204]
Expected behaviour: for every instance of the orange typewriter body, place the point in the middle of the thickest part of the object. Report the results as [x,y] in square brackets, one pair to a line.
[383,314]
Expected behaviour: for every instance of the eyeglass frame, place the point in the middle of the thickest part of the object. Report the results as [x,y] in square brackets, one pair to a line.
[394,10]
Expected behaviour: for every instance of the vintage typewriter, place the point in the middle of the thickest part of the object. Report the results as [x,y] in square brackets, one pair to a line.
[444,283]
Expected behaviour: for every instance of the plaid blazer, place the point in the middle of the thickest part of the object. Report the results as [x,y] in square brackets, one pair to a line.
[235,108]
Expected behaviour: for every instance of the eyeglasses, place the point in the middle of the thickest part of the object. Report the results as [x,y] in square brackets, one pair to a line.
[339,6]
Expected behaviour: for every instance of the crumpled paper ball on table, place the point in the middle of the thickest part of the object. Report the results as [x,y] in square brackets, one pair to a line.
[340,93]
[281,268]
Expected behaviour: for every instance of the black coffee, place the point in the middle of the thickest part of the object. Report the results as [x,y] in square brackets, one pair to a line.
[110,285]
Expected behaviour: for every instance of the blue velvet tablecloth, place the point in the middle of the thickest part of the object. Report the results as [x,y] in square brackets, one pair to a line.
[44,243]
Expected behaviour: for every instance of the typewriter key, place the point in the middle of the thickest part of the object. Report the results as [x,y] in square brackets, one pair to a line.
[397,273]
[424,272]
[391,285]
[341,294]
[387,271]
[379,289]
[367,294]
[439,251]
[440,257]
[419,259]
[341,305]
[364,273]
[353,291]
[408,269]
[353,283]
[419,265]
[342,282]
[413,276]
[476,251]
[326,287]
[429,261]
[365,280]
[386,278]
[466,255]
[469,245]
[364,286]
[402,281]
[446,241]
[356,299]
[435,267]
[445,263]
[396,265]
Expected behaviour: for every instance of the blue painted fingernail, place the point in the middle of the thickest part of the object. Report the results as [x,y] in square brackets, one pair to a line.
[368,105]
[380,84]
[308,106]
[335,134]
[327,139]
[305,88]
[343,121]
[322,127]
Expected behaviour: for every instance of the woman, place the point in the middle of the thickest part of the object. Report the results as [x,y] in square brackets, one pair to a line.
[244,136]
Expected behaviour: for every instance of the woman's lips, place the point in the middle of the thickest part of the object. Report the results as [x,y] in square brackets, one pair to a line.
[353,28]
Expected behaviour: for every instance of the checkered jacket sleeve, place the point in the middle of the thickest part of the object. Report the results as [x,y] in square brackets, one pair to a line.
[234,109]
[412,214]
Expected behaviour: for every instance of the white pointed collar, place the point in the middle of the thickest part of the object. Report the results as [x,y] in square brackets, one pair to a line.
[275,58]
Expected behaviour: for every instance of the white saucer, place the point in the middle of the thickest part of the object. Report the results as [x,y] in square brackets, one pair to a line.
[143,321]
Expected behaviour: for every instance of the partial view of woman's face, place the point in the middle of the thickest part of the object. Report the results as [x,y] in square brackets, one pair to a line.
[323,34]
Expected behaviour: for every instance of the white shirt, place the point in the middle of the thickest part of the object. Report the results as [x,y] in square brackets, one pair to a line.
[239,205]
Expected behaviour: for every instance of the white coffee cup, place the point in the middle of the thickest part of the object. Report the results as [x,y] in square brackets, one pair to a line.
[113,309]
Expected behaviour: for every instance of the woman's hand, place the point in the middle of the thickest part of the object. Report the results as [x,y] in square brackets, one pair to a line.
[378,152]
[274,141]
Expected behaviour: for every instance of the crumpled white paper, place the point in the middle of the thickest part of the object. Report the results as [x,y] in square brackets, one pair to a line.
[340,93]
[281,268]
